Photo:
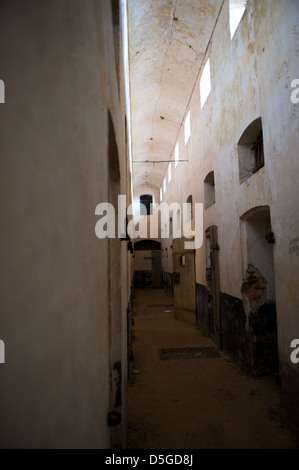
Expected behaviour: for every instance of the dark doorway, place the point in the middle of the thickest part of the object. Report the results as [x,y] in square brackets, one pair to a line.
[213,284]
[147,264]
[258,291]
[184,281]
[146,202]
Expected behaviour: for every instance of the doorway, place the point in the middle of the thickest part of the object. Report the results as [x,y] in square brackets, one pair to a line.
[258,290]
[213,285]
[147,264]
[184,281]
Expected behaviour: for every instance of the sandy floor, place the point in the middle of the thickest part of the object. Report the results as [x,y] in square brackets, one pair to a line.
[198,403]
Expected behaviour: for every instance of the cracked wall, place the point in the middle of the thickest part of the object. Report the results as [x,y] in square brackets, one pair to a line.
[250,79]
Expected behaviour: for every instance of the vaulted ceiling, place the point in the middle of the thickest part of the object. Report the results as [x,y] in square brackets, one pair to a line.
[167,43]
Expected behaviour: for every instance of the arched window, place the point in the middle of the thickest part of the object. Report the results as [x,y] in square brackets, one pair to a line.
[146,202]
[209,190]
[205,84]
[236,11]
[251,150]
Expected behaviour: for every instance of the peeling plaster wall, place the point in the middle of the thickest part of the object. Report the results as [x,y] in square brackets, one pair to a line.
[251,77]
[260,252]
[59,68]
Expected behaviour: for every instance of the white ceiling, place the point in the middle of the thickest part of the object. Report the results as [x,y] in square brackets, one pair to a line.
[167,43]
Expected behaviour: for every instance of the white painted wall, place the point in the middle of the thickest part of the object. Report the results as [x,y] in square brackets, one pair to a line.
[251,77]
[58,65]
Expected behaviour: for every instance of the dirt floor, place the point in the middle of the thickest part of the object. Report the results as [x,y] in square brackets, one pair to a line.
[199,402]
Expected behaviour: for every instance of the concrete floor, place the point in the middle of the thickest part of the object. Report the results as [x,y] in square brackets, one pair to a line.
[200,403]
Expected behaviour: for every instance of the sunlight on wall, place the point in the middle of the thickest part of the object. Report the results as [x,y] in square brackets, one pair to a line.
[236,11]
[205,84]
[169,172]
[177,154]
[187,128]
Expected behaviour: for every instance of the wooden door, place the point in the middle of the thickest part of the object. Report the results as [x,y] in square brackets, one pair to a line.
[184,281]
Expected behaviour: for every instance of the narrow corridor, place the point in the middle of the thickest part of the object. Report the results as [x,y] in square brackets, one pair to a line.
[197,403]
[149,144]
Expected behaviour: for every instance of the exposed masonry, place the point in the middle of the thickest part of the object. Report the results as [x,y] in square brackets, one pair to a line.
[254,289]
[246,95]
